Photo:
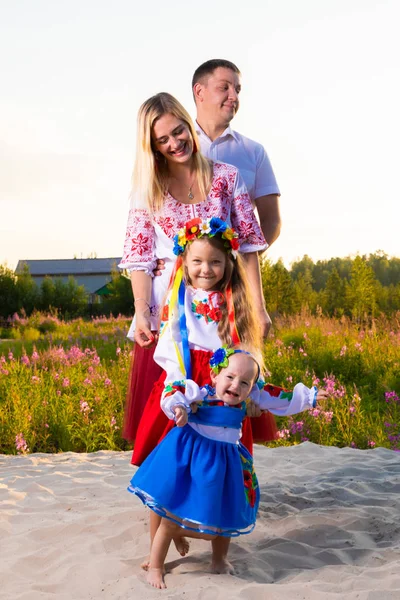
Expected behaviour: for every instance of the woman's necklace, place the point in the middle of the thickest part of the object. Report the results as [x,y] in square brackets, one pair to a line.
[190,194]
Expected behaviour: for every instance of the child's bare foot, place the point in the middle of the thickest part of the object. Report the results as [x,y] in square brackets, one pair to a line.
[222,566]
[182,545]
[155,577]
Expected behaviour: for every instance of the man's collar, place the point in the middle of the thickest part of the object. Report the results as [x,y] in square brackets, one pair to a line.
[228,132]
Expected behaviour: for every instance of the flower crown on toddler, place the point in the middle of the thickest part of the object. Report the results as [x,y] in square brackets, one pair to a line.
[197,229]
[219,361]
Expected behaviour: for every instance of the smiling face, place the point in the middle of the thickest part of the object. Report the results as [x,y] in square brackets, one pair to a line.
[233,384]
[171,137]
[204,264]
[217,97]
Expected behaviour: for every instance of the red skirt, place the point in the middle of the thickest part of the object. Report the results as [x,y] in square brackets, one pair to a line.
[154,424]
[144,373]
[264,428]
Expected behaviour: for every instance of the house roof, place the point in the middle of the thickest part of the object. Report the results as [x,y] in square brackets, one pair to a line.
[69,266]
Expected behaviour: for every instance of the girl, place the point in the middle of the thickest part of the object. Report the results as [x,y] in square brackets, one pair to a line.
[173,182]
[200,478]
[209,304]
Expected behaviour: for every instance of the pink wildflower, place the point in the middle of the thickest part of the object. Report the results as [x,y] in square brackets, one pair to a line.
[65,382]
[118,350]
[35,379]
[25,359]
[87,381]
[10,356]
[58,392]
[343,350]
[327,416]
[85,408]
[107,381]
[289,379]
[371,444]
[284,433]
[20,444]
[35,355]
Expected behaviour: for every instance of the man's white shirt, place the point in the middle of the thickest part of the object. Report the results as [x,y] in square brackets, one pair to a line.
[247,155]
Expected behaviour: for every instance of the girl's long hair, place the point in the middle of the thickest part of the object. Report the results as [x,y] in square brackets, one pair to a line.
[150,176]
[245,314]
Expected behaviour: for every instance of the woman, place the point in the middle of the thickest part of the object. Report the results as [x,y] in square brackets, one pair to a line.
[172,183]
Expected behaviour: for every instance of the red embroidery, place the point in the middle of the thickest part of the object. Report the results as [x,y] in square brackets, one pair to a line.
[139,247]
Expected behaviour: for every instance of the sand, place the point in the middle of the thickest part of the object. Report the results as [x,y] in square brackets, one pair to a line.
[328,528]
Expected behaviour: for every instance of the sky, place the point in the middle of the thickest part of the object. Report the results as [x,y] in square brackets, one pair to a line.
[320,91]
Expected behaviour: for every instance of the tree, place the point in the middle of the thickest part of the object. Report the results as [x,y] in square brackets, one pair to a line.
[277,287]
[333,294]
[361,291]
[120,298]
[8,292]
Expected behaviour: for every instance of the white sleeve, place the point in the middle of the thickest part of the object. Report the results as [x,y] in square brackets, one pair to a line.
[251,238]
[181,393]
[283,403]
[265,183]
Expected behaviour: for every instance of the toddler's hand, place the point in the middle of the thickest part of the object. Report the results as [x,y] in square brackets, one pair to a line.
[253,410]
[181,416]
[322,395]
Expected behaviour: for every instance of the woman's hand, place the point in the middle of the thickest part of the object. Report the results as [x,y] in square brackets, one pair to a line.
[181,416]
[143,334]
[160,266]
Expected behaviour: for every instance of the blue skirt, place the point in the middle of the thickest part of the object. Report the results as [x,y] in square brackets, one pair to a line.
[201,484]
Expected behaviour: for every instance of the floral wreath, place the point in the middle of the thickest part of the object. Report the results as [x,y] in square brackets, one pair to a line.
[197,228]
[219,361]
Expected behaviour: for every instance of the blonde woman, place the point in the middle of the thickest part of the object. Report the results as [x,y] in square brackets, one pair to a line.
[173,183]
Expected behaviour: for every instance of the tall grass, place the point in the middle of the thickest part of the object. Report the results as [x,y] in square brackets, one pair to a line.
[65,390]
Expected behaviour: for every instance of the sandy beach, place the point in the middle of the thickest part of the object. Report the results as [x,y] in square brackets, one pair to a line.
[328,527]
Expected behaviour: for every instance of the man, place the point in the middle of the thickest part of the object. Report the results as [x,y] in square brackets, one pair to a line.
[216,88]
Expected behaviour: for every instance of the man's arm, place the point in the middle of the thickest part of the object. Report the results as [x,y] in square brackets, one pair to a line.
[269,215]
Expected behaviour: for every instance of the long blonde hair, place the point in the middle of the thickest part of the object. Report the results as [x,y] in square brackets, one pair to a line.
[150,177]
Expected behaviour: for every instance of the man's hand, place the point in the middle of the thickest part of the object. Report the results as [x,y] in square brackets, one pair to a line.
[160,266]
[265,321]
[181,416]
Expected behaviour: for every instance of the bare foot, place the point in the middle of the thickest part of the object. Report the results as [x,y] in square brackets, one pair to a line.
[222,567]
[155,577]
[182,545]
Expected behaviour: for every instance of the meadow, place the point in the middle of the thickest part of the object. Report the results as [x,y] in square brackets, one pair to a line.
[63,384]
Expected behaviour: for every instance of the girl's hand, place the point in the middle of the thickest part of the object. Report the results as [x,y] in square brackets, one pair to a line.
[253,410]
[322,395]
[181,416]
[143,334]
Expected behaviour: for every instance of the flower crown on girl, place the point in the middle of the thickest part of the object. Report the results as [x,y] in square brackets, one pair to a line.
[196,228]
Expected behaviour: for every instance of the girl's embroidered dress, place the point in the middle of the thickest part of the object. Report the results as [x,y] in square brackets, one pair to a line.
[200,476]
[149,237]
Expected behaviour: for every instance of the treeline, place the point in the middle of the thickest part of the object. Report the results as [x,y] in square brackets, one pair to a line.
[364,286]
[360,287]
[20,294]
